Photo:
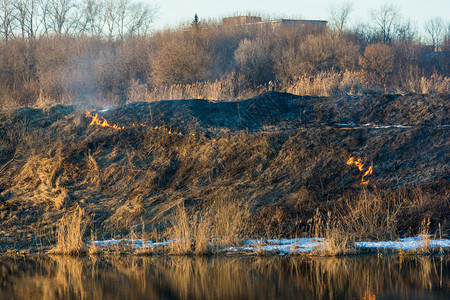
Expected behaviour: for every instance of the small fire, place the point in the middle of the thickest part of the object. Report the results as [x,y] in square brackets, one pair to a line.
[369,295]
[360,165]
[210,99]
[100,121]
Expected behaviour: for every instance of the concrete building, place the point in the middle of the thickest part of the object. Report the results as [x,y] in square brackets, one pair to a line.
[241,20]
[257,21]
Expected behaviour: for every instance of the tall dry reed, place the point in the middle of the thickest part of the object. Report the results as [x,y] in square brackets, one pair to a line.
[70,233]
[220,225]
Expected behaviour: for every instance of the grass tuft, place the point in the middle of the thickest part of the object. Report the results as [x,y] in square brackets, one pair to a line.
[220,225]
[70,233]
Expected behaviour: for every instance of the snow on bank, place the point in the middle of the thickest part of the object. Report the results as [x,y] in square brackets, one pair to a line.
[135,243]
[377,126]
[290,246]
[374,126]
[410,243]
[284,246]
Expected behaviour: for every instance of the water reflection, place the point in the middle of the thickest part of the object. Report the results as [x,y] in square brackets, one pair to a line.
[223,278]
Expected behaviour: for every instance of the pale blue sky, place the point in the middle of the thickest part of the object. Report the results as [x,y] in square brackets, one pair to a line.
[173,12]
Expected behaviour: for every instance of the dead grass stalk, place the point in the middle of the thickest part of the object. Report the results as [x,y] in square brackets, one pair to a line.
[70,233]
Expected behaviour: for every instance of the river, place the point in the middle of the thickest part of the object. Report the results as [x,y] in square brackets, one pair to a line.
[223,277]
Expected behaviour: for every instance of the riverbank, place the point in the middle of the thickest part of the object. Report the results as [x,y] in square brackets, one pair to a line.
[347,169]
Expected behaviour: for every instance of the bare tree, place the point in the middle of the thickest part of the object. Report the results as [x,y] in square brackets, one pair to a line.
[122,9]
[27,17]
[142,15]
[44,15]
[385,20]
[91,20]
[124,17]
[407,31]
[253,62]
[6,18]
[109,16]
[21,15]
[339,16]
[59,13]
[435,28]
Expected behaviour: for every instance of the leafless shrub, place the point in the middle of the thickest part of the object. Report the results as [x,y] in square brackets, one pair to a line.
[377,63]
[179,60]
[253,62]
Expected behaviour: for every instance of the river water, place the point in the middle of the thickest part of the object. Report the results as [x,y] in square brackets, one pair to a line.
[161,277]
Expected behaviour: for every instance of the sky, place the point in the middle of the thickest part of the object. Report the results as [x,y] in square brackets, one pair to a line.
[171,13]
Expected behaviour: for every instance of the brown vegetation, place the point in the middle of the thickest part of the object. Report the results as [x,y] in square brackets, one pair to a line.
[263,167]
[272,166]
[70,234]
[87,63]
[222,224]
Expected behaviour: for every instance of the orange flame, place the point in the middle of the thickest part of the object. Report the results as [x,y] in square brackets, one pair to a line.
[350,161]
[368,172]
[100,121]
[210,99]
[369,295]
[360,165]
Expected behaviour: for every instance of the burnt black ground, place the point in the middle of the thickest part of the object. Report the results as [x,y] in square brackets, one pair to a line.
[282,153]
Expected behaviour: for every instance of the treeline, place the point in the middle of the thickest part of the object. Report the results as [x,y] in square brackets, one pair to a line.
[101,51]
[31,19]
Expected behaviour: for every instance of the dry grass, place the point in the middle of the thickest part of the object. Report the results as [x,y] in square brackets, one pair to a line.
[221,89]
[428,84]
[323,84]
[372,215]
[70,233]
[209,230]
[121,177]
[336,239]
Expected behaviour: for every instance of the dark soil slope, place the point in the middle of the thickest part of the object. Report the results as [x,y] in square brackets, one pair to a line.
[285,155]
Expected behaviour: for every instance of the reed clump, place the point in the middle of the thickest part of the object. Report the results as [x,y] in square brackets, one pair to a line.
[336,241]
[70,233]
[222,224]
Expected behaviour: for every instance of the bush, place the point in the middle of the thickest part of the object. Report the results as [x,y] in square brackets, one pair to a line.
[377,63]
[253,63]
[179,60]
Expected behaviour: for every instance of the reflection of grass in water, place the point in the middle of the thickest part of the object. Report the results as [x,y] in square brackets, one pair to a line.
[224,278]
[69,277]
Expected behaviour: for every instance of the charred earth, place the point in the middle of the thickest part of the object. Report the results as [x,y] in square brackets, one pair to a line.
[285,156]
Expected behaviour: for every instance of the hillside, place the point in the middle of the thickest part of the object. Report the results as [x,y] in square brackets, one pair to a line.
[284,155]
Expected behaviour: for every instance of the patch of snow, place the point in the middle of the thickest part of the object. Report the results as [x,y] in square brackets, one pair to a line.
[135,243]
[375,126]
[289,246]
[105,109]
[410,243]
[390,126]
[284,246]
